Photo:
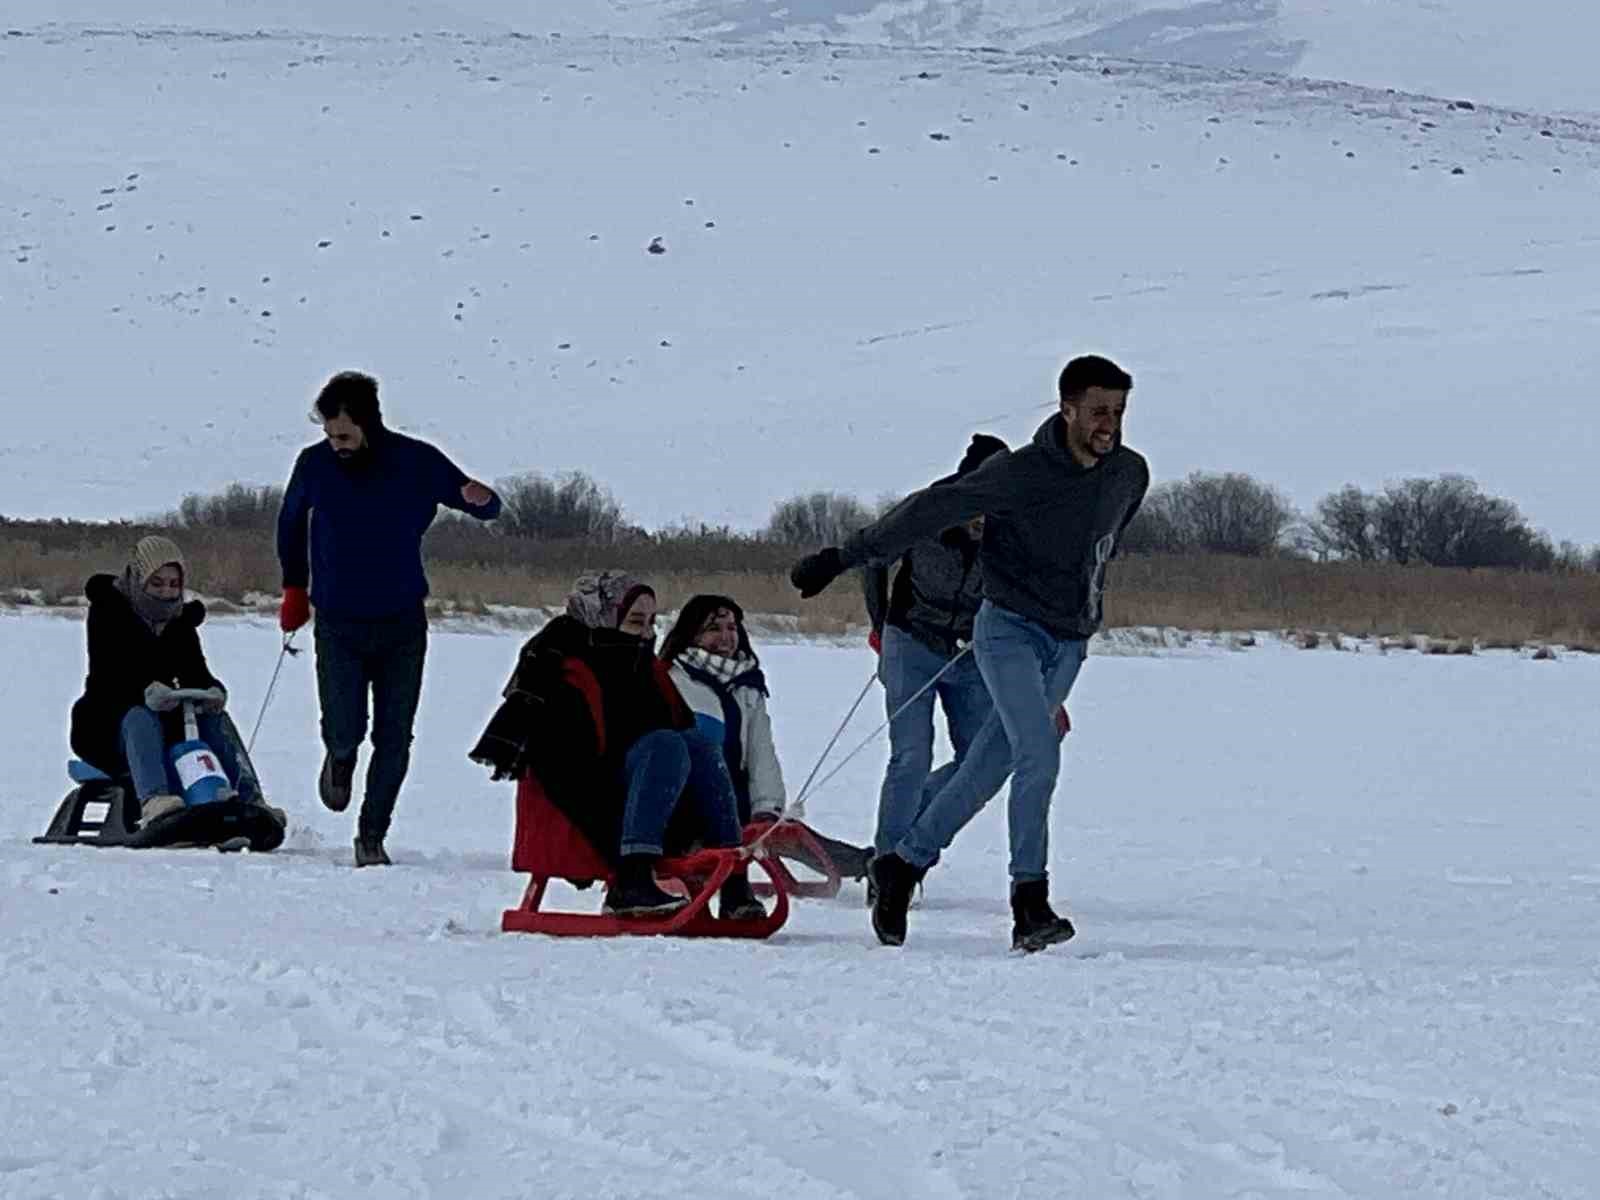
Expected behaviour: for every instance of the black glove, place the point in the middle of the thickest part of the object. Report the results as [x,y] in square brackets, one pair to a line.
[816,571]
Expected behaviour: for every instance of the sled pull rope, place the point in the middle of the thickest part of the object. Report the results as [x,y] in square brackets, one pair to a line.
[799,802]
[796,808]
[287,650]
[894,716]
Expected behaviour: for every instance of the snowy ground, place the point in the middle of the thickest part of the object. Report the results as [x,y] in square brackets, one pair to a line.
[1337,909]
[1337,939]
[869,253]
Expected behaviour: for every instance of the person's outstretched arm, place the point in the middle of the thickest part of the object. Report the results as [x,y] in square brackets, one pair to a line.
[454,488]
[921,515]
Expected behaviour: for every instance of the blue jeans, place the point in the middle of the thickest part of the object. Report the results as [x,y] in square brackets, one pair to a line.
[144,745]
[905,666]
[1029,672]
[677,776]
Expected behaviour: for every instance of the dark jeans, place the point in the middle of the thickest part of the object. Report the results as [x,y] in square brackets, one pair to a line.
[677,776]
[383,657]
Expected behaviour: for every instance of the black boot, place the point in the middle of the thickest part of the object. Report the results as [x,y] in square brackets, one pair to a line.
[894,879]
[872,888]
[370,852]
[634,892]
[736,902]
[333,784]
[1034,925]
[850,861]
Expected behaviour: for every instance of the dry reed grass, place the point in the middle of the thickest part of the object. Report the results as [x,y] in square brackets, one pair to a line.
[1196,592]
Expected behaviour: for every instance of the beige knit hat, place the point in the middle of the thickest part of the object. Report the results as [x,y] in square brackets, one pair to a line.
[154,552]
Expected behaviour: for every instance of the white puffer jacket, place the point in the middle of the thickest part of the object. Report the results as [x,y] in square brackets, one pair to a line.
[726,692]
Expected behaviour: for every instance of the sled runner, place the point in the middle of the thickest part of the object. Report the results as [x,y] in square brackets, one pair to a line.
[796,842]
[102,811]
[548,846]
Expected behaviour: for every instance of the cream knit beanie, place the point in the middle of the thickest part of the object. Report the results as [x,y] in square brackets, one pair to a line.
[154,552]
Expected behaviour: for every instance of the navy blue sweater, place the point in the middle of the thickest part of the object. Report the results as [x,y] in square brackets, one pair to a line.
[364,522]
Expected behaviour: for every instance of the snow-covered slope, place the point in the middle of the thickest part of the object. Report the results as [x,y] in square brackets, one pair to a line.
[1336,916]
[1535,54]
[869,254]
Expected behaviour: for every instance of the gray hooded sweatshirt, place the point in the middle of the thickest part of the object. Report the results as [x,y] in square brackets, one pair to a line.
[1051,527]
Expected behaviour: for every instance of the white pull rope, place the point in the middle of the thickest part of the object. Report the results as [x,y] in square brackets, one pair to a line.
[271,687]
[796,808]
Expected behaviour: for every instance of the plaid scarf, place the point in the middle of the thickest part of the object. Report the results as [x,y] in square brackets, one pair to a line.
[718,668]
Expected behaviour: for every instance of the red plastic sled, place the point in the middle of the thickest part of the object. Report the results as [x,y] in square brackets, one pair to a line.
[784,842]
[548,846]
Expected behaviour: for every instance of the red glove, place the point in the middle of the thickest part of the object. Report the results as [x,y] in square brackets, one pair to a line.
[295,610]
[1063,722]
[875,640]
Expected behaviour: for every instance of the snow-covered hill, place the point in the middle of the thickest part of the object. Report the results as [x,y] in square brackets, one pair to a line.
[870,252]
[1535,54]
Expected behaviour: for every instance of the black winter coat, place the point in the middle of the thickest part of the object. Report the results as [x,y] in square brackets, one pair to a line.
[935,594]
[545,725]
[125,657]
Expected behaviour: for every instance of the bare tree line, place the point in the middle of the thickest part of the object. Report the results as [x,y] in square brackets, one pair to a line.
[1442,521]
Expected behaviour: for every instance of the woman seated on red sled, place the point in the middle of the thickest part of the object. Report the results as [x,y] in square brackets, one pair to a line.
[718,674]
[657,786]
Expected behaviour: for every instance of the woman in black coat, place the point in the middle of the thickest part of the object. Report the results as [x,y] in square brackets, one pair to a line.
[144,642]
[646,781]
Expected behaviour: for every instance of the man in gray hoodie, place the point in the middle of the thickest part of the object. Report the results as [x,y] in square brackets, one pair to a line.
[1053,511]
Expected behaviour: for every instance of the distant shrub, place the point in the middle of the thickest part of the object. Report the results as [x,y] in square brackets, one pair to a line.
[817,519]
[1210,514]
[569,507]
[237,506]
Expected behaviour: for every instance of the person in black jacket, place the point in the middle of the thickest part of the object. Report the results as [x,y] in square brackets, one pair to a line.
[921,616]
[144,642]
[1053,513]
[645,782]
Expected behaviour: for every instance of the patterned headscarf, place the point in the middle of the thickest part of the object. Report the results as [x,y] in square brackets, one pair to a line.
[600,599]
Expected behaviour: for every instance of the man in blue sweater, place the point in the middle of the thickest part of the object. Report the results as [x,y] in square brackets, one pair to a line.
[351,530]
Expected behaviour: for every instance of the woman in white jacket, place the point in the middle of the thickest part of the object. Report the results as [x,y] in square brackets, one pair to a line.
[719,676]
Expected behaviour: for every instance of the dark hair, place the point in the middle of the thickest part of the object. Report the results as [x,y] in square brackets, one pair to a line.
[355,394]
[696,611]
[1088,371]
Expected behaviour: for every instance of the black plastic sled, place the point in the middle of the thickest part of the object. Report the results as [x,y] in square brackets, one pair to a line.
[102,811]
